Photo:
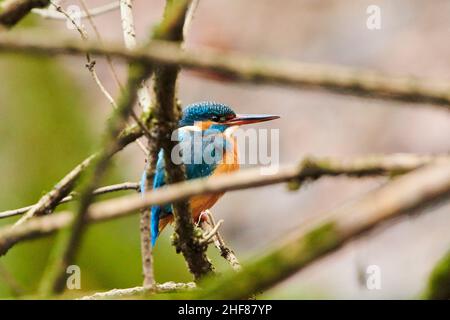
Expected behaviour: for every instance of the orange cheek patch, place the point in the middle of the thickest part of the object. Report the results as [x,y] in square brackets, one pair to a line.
[204,125]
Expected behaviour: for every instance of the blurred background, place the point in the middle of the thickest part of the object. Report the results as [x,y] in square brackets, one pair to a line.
[52,116]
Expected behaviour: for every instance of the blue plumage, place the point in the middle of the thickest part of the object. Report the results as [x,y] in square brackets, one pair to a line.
[202,145]
[209,142]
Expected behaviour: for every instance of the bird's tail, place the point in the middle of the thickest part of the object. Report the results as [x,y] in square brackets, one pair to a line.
[155,211]
[154,225]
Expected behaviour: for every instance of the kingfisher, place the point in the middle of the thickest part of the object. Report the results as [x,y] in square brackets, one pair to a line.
[207,148]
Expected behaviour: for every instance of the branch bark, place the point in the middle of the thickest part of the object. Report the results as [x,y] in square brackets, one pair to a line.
[119,207]
[331,230]
[141,291]
[54,280]
[72,196]
[97,11]
[14,10]
[167,113]
[248,69]
[129,34]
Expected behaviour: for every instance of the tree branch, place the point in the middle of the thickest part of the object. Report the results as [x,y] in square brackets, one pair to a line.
[166,287]
[72,196]
[121,206]
[239,67]
[97,11]
[167,114]
[129,34]
[14,10]
[54,280]
[329,231]
[219,242]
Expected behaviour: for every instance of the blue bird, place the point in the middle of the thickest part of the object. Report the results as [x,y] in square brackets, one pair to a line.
[208,148]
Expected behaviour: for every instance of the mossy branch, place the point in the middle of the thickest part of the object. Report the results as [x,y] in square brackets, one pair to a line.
[331,230]
[250,178]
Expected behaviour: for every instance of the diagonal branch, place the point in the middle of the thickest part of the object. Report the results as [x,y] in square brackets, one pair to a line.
[331,230]
[54,280]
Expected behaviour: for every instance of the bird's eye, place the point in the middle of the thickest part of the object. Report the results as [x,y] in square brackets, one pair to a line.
[215,118]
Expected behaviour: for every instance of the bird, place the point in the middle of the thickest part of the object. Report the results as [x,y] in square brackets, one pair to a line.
[214,152]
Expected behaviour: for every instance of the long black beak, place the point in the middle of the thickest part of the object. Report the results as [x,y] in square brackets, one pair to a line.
[242,119]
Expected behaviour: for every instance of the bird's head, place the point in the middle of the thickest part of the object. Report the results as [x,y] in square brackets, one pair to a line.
[218,116]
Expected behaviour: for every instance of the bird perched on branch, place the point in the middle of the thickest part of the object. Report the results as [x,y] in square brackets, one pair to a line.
[206,147]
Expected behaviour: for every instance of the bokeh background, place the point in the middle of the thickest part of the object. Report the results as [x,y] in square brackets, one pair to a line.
[52,116]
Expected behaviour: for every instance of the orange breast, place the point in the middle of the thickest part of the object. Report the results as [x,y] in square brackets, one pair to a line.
[229,164]
[198,204]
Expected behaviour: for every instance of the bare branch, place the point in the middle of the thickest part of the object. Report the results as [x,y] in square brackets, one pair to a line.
[238,67]
[97,11]
[73,195]
[91,63]
[329,231]
[212,233]
[119,207]
[14,10]
[55,278]
[129,34]
[219,242]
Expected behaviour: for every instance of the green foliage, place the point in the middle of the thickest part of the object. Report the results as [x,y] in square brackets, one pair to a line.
[439,282]
[44,133]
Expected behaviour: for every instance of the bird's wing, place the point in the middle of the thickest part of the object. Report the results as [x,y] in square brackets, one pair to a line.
[194,169]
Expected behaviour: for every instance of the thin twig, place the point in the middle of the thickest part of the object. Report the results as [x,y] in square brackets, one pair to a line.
[97,11]
[225,251]
[91,63]
[54,279]
[73,195]
[116,78]
[238,67]
[211,233]
[250,178]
